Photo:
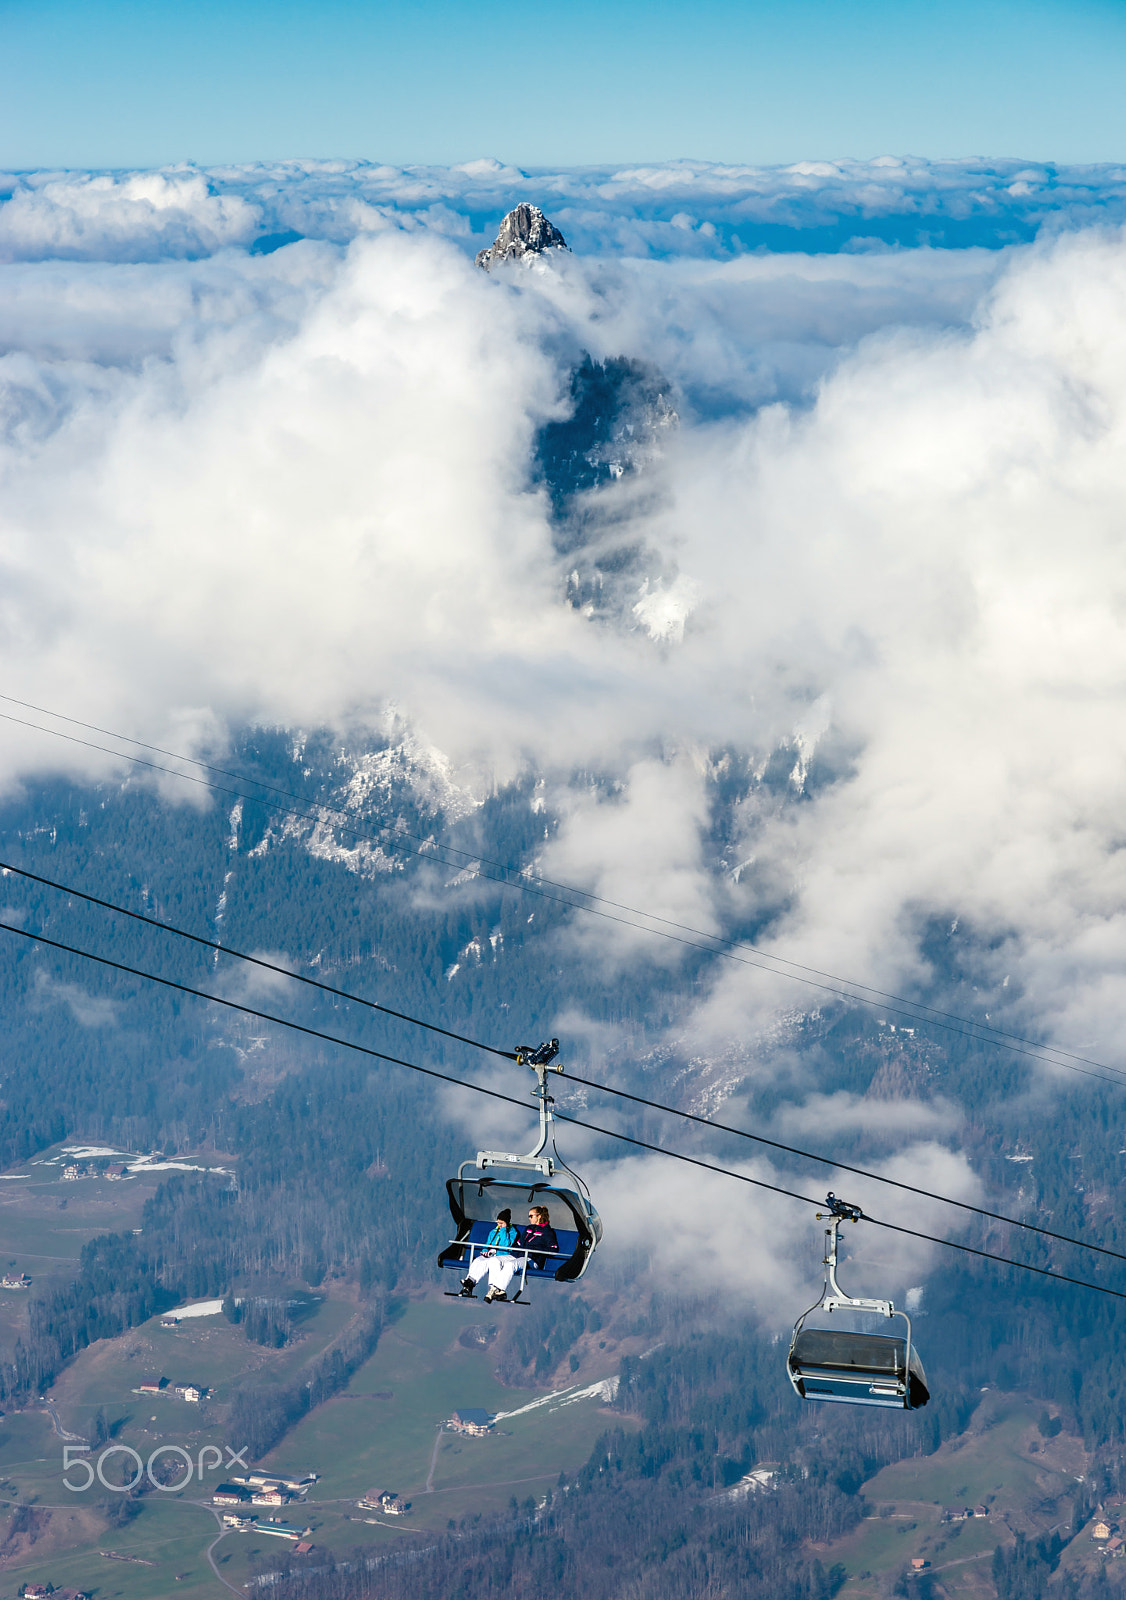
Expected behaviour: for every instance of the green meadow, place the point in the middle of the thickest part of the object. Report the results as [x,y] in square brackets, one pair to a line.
[1001,1462]
[385,1431]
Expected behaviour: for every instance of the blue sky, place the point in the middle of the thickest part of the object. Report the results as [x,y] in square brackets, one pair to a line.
[138,83]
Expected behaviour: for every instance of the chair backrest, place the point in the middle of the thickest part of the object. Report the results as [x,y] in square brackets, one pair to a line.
[849,1352]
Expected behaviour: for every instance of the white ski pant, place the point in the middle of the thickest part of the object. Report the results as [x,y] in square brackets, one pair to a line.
[501,1270]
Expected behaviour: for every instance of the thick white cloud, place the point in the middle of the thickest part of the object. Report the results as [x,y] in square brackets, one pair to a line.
[295,487]
[141,216]
[639,845]
[938,546]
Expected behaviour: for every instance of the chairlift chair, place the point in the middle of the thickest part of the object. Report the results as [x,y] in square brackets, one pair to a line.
[836,1364]
[496,1179]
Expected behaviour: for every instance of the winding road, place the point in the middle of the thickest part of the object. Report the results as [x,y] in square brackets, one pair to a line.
[67,1438]
[217,1539]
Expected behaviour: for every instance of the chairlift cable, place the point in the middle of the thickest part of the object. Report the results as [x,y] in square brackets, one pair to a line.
[496,1094]
[589,1083]
[989,1255]
[254,961]
[380,1055]
[844,1166]
[719,945]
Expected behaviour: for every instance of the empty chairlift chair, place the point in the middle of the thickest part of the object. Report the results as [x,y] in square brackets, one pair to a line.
[856,1368]
[499,1179]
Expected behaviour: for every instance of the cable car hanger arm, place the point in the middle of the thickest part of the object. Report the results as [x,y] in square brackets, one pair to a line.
[833,1297]
[538,1058]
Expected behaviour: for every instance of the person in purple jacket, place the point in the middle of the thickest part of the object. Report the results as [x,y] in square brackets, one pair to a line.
[539,1238]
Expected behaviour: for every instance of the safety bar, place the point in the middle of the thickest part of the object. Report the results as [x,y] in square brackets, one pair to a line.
[524,1255]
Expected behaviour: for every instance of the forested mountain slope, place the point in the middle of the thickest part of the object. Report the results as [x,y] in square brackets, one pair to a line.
[340,1161]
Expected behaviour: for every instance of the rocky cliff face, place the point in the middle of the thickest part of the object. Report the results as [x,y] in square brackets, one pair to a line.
[524,232]
[621,414]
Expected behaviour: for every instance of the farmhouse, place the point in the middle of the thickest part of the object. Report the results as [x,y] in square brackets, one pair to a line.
[116,1172]
[12,1280]
[230,1494]
[41,1591]
[385,1500]
[471,1420]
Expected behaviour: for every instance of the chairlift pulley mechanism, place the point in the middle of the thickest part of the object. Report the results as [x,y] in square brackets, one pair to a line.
[539,1055]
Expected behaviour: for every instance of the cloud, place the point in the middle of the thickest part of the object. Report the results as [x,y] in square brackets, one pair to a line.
[935,543]
[141,216]
[681,209]
[639,844]
[347,498]
[296,488]
[703,1232]
[91,1011]
[880,1121]
[255,986]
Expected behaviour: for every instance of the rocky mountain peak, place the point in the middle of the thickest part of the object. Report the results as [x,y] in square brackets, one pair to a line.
[524,232]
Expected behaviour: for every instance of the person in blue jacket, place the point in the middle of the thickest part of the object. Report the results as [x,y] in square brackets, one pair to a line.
[496,1259]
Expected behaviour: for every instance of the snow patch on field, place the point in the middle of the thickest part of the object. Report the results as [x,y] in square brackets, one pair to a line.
[604,1390]
[202,1308]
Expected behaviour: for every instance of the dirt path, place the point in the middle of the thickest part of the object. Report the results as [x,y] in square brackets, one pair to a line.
[961,1561]
[500,1483]
[67,1438]
[211,1559]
